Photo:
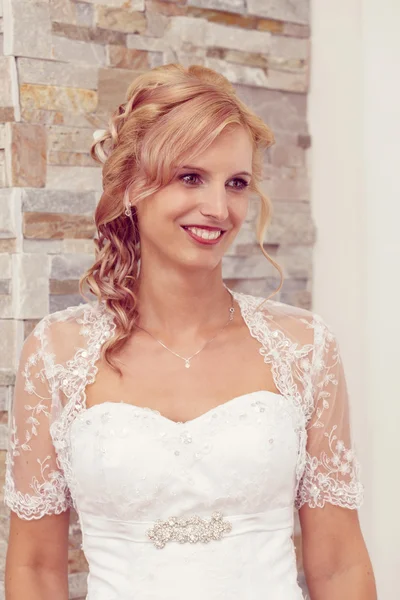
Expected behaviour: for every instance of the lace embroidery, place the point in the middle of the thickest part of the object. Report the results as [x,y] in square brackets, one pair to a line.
[50,493]
[300,372]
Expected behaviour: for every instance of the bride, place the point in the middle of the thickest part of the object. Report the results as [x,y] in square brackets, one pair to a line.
[185,422]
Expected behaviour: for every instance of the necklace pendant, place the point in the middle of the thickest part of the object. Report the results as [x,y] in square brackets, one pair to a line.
[187,364]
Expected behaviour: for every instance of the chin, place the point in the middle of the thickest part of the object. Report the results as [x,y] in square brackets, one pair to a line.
[200,262]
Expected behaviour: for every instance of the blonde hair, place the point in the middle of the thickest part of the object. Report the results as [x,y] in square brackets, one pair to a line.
[171,114]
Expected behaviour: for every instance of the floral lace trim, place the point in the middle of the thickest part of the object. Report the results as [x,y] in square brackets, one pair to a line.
[49,496]
[323,481]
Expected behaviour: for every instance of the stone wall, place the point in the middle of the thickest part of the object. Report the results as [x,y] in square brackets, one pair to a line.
[64,64]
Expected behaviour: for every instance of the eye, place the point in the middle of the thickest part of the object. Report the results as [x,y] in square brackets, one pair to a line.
[183,178]
[242,183]
[189,178]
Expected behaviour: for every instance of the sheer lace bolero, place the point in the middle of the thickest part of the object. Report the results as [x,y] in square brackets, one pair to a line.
[58,360]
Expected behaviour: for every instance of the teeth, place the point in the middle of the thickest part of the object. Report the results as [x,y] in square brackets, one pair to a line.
[205,234]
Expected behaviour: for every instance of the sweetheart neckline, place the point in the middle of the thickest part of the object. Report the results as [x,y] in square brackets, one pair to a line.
[189,422]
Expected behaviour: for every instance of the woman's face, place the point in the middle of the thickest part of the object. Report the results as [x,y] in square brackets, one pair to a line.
[192,221]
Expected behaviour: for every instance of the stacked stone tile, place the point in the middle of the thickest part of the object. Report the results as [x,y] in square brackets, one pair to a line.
[64,64]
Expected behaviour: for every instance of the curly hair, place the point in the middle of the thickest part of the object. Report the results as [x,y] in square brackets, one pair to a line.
[171,114]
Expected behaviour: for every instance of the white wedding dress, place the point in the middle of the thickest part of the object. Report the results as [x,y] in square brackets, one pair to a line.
[235,474]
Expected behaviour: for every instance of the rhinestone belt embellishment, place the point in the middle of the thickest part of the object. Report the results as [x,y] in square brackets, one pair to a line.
[191,529]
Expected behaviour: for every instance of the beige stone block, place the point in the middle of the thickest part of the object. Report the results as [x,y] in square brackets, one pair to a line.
[113,85]
[3,169]
[236,38]
[252,267]
[75,51]
[9,85]
[5,266]
[237,6]
[6,306]
[88,34]
[127,58]
[291,224]
[57,226]
[156,59]
[84,14]
[2,135]
[10,211]
[42,246]
[296,261]
[74,178]
[156,24]
[238,73]
[288,81]
[42,116]
[8,114]
[291,65]
[72,139]
[293,185]
[28,32]
[49,72]
[27,157]
[120,19]
[289,47]
[287,155]
[251,59]
[282,10]
[31,285]
[72,100]
[70,159]
[62,11]
[133,4]
[9,338]
[147,43]
[75,246]
[181,30]
[5,399]
[3,446]
[77,584]
[69,266]
[296,30]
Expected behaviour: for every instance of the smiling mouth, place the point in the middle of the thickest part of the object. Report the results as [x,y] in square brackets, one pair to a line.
[204,235]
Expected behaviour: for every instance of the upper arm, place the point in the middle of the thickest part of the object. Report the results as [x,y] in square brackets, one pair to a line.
[35,489]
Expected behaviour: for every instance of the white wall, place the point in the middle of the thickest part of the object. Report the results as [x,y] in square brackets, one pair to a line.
[354,115]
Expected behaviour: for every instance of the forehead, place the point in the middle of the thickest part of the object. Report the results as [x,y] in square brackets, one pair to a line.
[232,150]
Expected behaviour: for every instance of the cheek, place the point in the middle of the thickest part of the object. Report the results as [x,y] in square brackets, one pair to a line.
[239,210]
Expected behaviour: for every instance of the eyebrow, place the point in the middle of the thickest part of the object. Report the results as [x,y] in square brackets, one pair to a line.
[205,171]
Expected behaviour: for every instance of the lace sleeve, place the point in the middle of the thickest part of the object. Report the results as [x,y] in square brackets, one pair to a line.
[35,485]
[332,471]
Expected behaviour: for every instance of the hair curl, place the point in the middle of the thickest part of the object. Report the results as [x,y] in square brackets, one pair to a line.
[171,114]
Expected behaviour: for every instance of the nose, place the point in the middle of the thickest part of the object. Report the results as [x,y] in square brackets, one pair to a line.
[215,205]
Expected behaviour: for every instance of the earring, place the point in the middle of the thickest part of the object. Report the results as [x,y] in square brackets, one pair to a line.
[128,211]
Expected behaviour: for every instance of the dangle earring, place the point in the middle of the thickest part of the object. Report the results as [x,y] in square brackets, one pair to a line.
[128,211]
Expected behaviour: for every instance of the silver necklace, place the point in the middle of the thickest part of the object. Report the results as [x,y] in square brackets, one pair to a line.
[187,360]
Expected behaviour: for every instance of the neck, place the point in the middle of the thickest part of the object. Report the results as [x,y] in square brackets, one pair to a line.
[187,302]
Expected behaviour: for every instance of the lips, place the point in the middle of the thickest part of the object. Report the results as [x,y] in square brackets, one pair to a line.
[204,234]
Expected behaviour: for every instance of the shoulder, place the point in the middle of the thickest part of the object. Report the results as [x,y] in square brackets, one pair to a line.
[65,324]
[297,323]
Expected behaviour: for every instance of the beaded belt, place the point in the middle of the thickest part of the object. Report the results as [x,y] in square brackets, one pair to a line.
[190,529]
[187,529]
